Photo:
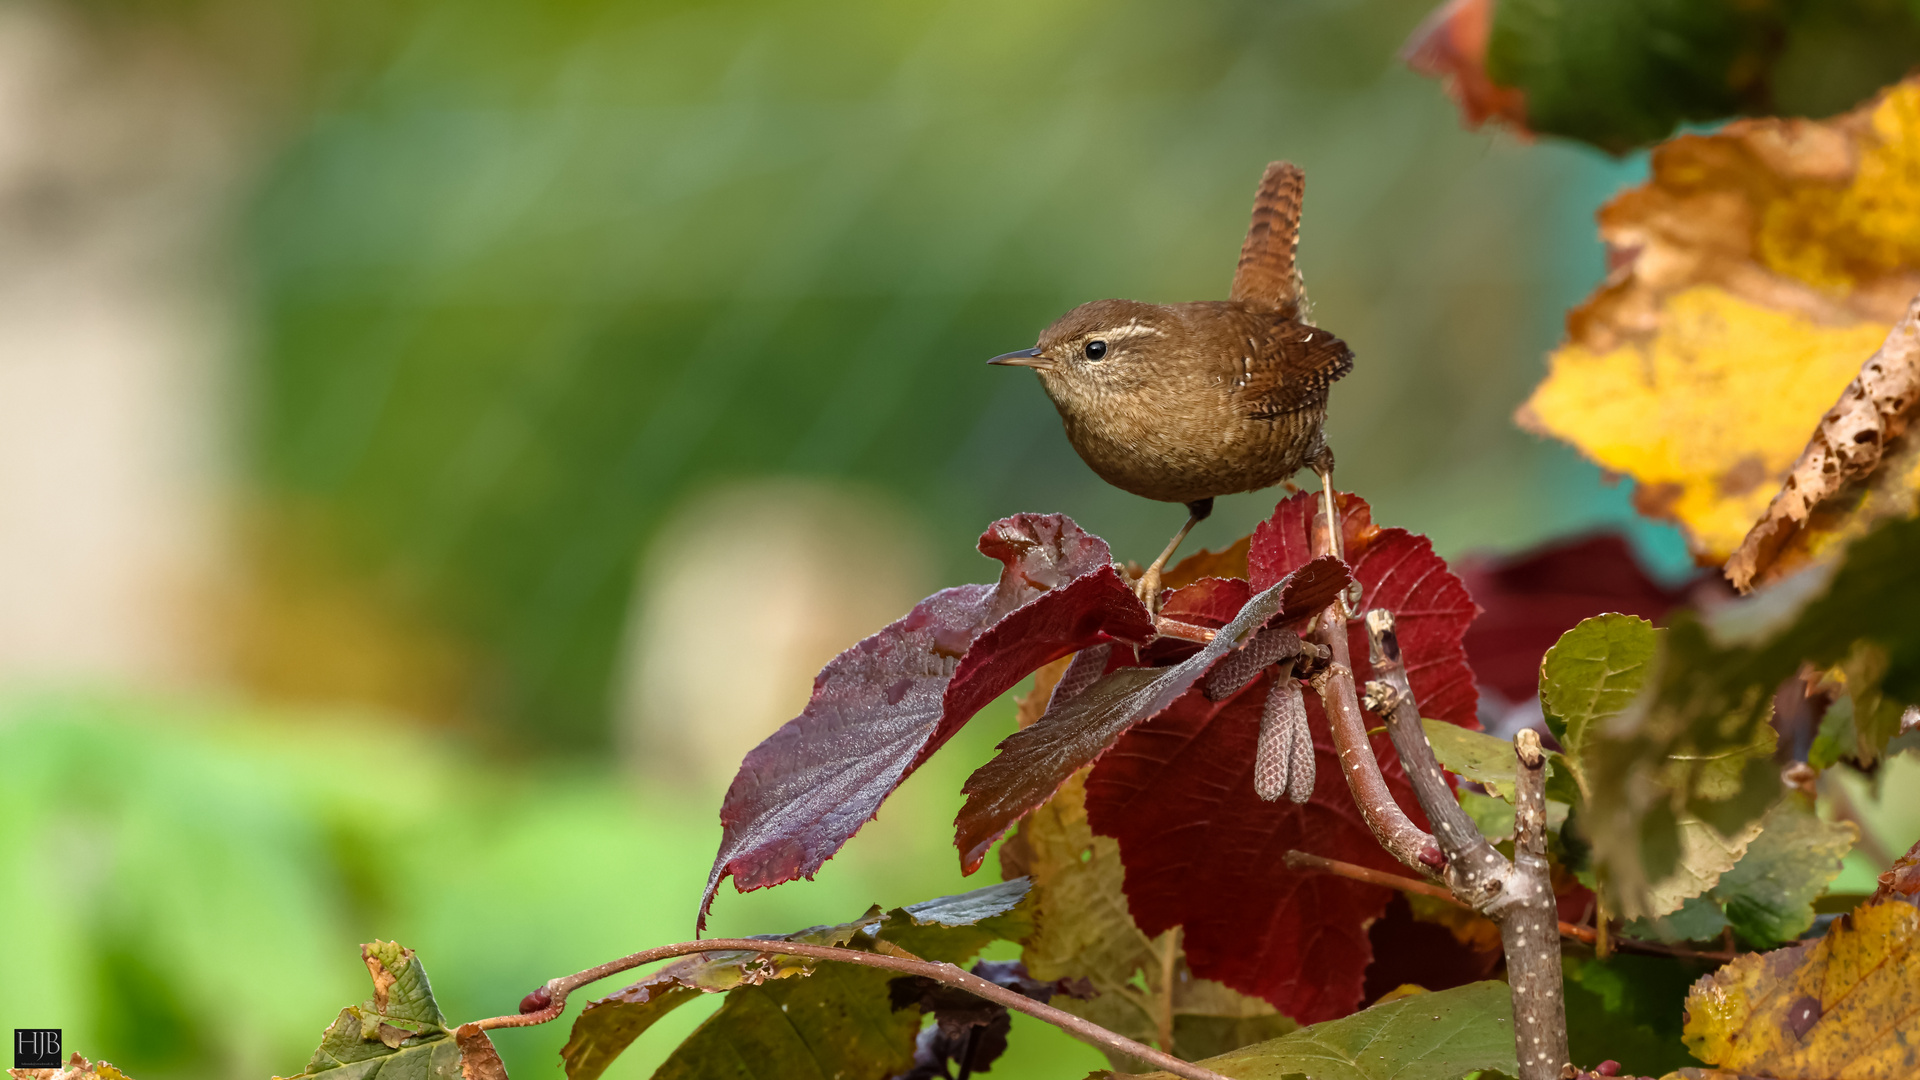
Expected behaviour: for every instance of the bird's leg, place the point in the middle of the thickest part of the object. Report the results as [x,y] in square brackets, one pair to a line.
[1323,468]
[1148,587]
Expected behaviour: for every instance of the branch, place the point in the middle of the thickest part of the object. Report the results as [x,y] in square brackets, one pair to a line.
[1517,895]
[1397,833]
[555,992]
[1475,871]
[1528,931]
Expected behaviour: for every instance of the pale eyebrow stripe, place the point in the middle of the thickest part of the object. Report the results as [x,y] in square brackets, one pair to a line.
[1130,330]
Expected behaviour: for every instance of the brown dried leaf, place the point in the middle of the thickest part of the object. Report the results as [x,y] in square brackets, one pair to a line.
[1902,879]
[1848,445]
[478,1059]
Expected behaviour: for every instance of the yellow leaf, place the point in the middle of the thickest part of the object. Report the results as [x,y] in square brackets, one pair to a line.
[1845,1007]
[1755,273]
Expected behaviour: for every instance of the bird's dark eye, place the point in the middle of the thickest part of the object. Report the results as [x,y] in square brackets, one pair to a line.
[1096,349]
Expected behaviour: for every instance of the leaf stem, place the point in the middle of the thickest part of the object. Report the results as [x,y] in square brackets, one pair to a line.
[1163,1011]
[949,974]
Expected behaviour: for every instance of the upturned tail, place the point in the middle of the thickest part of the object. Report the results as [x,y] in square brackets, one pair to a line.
[1267,277]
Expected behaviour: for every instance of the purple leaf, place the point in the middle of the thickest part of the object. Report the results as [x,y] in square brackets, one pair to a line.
[884,706]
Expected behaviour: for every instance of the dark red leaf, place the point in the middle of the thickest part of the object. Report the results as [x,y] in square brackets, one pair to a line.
[882,707]
[1202,851]
[1425,954]
[1211,602]
[1034,761]
[1530,599]
[1396,570]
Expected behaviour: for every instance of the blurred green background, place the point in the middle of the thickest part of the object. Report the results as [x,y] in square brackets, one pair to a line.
[565,381]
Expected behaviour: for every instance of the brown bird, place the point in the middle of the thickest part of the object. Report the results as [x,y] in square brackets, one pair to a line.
[1185,402]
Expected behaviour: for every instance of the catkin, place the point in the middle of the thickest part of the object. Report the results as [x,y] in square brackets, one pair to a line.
[1283,760]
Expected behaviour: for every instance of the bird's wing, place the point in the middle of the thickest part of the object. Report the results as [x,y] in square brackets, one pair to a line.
[1267,279]
[1290,370]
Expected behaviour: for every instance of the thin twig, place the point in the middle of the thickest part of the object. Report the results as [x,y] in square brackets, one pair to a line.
[1174,628]
[1397,833]
[558,989]
[1301,860]
[1586,935]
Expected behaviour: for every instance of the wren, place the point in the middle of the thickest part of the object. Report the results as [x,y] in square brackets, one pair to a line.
[1186,402]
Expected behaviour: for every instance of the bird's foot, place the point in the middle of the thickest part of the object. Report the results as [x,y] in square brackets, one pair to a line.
[1147,588]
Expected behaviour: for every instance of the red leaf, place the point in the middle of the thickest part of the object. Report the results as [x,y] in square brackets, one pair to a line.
[882,707]
[1425,954]
[1201,850]
[1451,45]
[1530,599]
[1396,570]
[1211,602]
[1034,761]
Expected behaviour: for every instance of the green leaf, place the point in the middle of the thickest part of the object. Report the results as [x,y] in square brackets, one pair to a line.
[1085,931]
[1769,895]
[1622,74]
[1859,725]
[1696,745]
[953,928]
[1474,755]
[607,1026]
[1628,1008]
[1492,816]
[1701,855]
[1592,673]
[1490,762]
[1698,919]
[399,1033]
[837,1019]
[1626,73]
[1438,1036]
[838,1022]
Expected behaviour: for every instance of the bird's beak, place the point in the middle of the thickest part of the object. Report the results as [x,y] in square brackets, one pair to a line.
[1021,358]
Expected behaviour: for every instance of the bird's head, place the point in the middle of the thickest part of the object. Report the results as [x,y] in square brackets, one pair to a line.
[1097,349]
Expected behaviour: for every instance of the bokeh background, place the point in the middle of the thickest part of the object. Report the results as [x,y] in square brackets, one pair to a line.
[438,438]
